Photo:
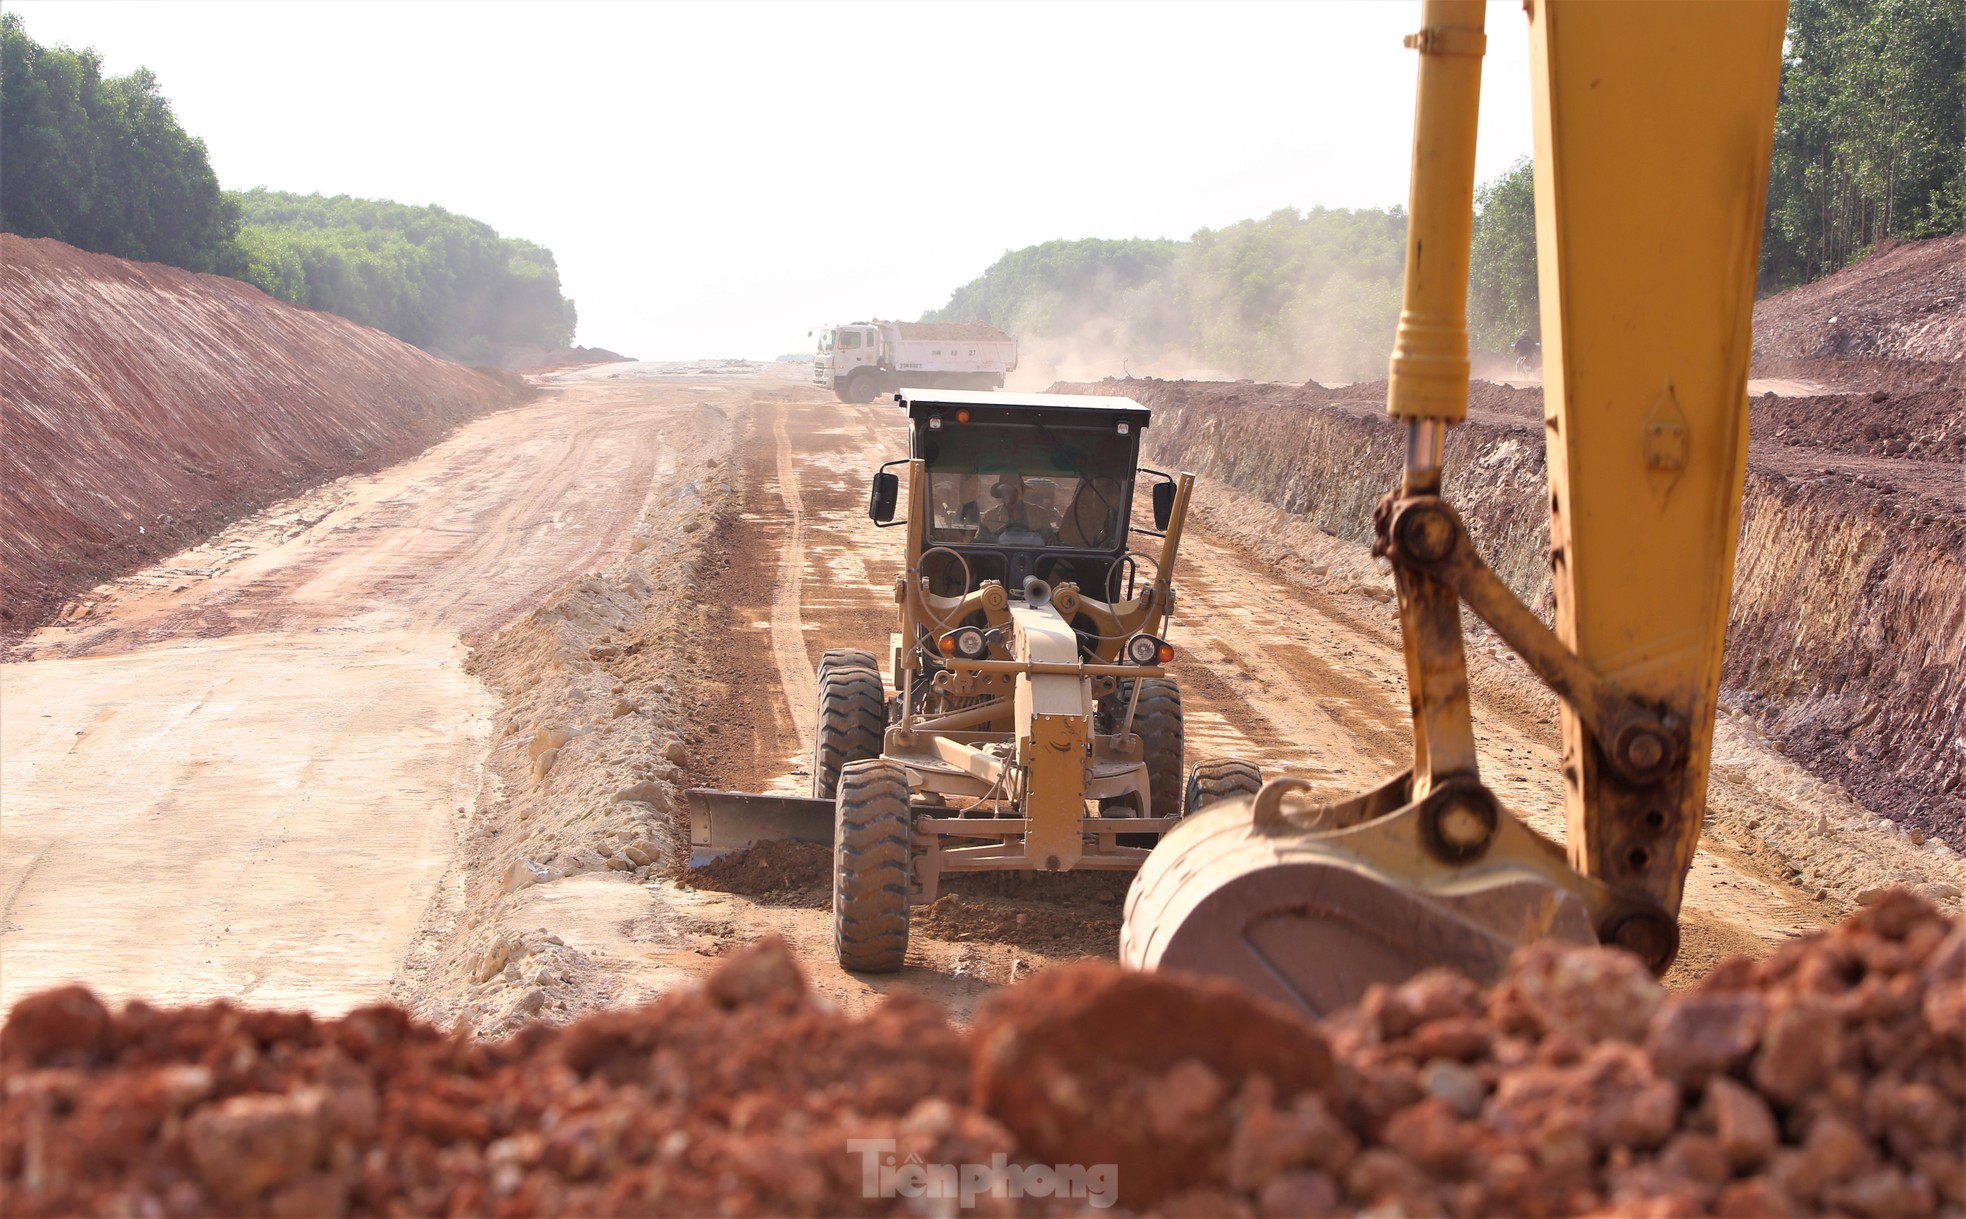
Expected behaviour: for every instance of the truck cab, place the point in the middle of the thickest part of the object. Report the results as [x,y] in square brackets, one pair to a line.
[862,361]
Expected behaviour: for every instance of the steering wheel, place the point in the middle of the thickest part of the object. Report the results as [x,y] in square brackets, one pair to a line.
[968,575]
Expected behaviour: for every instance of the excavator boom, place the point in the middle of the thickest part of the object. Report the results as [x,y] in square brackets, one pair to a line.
[1653,125]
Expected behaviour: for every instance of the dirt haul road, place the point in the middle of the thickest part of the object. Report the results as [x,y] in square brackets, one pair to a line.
[421,734]
[1299,679]
[242,772]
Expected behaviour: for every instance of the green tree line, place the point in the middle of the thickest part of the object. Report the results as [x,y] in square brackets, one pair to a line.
[103,164]
[1295,294]
[442,281]
[1870,144]
[1870,135]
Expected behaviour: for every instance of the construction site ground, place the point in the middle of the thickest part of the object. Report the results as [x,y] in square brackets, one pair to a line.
[421,735]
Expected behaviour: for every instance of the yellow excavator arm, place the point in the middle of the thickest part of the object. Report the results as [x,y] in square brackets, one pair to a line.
[1653,130]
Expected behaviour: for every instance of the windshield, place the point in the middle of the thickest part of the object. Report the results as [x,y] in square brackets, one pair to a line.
[1028,487]
[825,341]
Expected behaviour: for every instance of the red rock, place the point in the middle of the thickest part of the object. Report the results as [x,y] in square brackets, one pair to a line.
[1179,1098]
[1628,1106]
[1944,983]
[1437,994]
[60,1027]
[1460,1038]
[758,973]
[1893,915]
[1596,994]
[1205,1203]
[1742,1123]
[246,1145]
[1755,1198]
[1379,1171]
[1802,1043]
[1797,1176]
[1911,1116]
[1885,1192]
[1059,1061]
[1945,1168]
[1697,1157]
[1311,1195]
[1268,1141]
[1431,1135]
[1701,1034]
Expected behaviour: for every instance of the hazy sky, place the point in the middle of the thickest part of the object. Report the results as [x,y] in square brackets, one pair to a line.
[717,179]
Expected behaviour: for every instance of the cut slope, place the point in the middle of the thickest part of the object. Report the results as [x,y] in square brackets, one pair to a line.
[143,405]
[1847,640]
[1906,301]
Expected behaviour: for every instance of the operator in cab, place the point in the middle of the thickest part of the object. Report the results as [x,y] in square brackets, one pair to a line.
[1017,519]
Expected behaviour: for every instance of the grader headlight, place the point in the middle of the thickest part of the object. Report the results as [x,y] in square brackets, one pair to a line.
[1144,649]
[968,642]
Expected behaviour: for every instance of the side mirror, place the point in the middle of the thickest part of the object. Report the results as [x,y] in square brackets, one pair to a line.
[880,502]
[1163,505]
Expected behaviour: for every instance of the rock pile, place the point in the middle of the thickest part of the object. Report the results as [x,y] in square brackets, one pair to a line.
[1828,1078]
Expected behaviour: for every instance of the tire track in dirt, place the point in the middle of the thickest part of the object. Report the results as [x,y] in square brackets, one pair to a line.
[795,669]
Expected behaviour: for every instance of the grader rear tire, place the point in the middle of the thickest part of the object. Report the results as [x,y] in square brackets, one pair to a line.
[1220,779]
[1157,722]
[852,721]
[872,835]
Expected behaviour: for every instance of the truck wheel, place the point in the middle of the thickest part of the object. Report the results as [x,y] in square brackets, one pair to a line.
[862,388]
[852,721]
[871,861]
[1157,722]
[1219,779]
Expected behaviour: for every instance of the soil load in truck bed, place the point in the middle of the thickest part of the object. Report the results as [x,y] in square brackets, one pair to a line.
[1828,1078]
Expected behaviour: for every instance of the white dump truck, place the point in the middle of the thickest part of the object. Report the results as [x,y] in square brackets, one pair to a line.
[863,360]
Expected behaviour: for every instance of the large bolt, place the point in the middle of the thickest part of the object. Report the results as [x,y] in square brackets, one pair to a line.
[1426,532]
[1462,827]
[1641,749]
[1651,936]
[1457,825]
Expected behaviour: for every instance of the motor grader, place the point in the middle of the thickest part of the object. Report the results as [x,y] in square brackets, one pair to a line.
[1026,719]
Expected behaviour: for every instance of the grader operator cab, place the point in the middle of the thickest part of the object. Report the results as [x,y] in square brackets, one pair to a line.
[1026,720]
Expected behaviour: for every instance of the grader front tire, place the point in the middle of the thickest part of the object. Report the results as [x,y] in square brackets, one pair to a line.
[852,721]
[872,837]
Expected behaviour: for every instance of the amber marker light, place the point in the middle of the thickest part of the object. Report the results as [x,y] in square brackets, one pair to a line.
[948,645]
[1165,652]
[962,414]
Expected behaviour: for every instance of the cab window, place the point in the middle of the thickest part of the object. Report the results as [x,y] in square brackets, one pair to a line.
[1029,487]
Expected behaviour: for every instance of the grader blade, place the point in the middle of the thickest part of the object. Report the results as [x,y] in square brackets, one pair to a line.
[730,821]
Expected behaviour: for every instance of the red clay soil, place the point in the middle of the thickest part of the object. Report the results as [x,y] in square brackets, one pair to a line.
[1903,303]
[143,406]
[1829,1078]
[780,872]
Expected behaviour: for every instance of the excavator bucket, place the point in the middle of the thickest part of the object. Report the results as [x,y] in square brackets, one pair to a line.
[730,821]
[1310,904]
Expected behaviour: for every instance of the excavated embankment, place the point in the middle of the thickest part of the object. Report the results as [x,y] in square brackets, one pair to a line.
[1848,636]
[144,406]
